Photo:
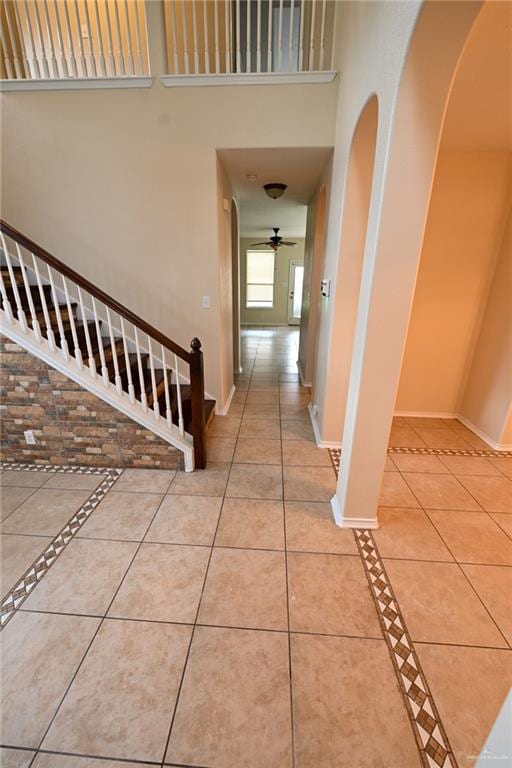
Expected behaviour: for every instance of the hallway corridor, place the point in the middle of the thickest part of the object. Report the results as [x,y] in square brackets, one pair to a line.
[220,619]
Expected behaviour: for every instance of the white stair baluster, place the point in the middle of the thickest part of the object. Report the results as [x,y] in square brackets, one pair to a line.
[120,52]
[172,14]
[56,308]
[5,300]
[54,69]
[301,35]
[28,291]
[216,35]
[9,68]
[26,63]
[178,395]
[111,61]
[42,295]
[194,38]
[258,36]
[168,411]
[140,67]
[333,36]
[92,53]
[101,50]
[74,335]
[81,57]
[101,349]
[248,47]
[156,407]
[142,383]
[322,37]
[311,61]
[18,69]
[35,71]
[73,69]
[280,37]
[290,36]
[61,60]
[131,388]
[269,37]
[43,64]
[185,37]
[17,300]
[238,67]
[117,377]
[128,28]
[90,356]
[227,33]
[205,38]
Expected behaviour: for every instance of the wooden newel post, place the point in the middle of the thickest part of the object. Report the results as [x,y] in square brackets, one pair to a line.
[197,400]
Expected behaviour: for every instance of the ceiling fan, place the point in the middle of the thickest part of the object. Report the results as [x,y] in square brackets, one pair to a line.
[275,241]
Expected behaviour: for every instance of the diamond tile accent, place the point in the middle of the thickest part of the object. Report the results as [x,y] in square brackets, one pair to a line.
[430,735]
[33,575]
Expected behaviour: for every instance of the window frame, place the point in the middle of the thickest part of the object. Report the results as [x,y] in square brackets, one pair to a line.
[247,283]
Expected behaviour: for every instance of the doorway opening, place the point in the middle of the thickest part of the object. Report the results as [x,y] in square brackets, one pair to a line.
[295,286]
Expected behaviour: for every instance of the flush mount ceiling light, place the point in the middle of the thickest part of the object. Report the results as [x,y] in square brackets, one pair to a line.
[275,190]
[251,176]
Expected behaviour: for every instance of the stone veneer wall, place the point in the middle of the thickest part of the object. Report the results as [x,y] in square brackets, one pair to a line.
[71,425]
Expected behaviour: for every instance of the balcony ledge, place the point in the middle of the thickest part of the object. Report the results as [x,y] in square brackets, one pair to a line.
[76,83]
[249,78]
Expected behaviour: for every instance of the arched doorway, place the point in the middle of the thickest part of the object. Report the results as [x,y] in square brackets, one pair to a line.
[398,209]
[356,204]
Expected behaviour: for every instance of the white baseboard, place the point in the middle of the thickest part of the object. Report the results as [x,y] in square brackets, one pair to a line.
[301,376]
[318,440]
[494,445]
[426,414]
[467,423]
[224,410]
[351,522]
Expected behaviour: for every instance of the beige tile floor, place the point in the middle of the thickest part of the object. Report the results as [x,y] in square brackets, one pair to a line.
[221,620]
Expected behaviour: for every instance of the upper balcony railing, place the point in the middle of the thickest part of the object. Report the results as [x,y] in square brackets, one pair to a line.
[249,40]
[51,40]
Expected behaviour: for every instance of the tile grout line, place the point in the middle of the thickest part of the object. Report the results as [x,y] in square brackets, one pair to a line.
[195,623]
[98,628]
[430,735]
[18,593]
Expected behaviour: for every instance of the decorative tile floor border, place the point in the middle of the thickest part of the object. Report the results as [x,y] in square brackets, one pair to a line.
[33,575]
[335,453]
[431,737]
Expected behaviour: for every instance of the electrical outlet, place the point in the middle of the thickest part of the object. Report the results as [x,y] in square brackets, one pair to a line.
[206,302]
[29,437]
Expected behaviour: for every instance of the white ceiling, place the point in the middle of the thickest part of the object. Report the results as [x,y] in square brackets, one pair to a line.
[479,115]
[301,169]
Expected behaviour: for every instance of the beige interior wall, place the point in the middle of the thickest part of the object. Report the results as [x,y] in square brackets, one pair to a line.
[225,282]
[278,315]
[487,400]
[462,237]
[122,186]
[314,252]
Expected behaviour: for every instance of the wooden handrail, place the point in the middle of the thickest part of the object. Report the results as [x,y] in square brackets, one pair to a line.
[82,282]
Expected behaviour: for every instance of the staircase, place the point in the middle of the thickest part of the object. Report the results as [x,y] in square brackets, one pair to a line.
[59,316]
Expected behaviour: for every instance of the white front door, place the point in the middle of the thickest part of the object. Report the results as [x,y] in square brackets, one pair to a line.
[295,292]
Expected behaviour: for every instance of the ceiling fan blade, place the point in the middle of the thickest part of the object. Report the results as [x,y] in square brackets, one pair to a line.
[266,243]
[288,242]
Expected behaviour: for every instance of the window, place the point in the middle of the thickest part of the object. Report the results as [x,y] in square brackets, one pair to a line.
[260,279]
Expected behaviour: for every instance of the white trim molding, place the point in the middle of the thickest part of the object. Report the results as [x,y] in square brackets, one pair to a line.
[249,78]
[225,408]
[351,522]
[494,445]
[75,83]
[316,430]
[467,423]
